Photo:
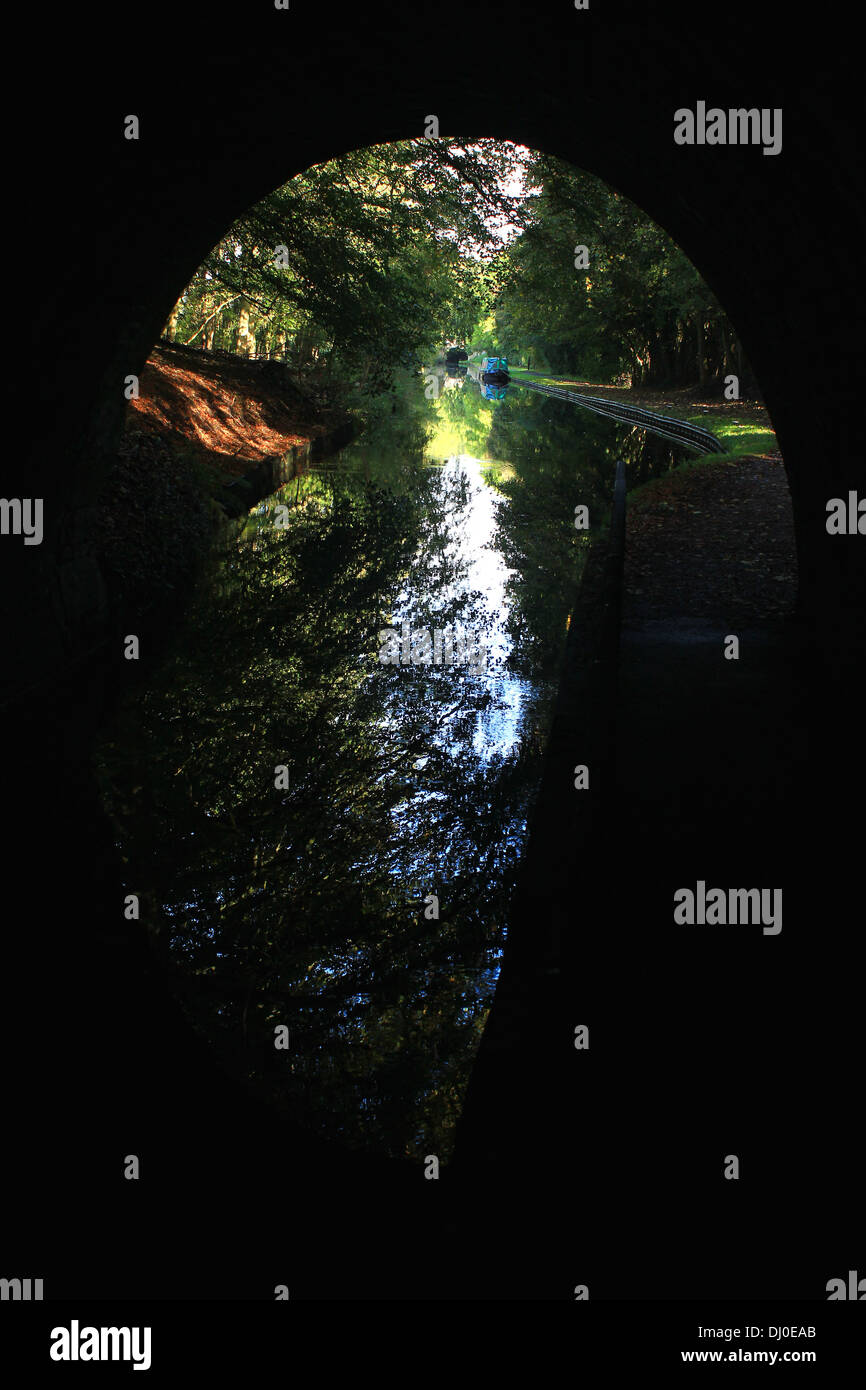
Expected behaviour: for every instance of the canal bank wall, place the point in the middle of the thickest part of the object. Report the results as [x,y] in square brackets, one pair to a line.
[206,439]
[272,473]
[155,553]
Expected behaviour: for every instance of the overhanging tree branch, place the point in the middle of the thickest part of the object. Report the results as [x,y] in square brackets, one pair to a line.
[219,307]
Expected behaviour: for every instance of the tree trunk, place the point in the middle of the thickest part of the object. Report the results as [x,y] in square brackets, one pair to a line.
[171,327]
[301,345]
[702,371]
[243,338]
[661,364]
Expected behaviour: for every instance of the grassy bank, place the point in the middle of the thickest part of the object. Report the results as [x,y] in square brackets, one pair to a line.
[743,427]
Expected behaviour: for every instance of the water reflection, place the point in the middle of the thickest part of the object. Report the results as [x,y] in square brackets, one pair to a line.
[330,841]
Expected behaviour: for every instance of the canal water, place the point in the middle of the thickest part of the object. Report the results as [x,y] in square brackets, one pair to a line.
[325,792]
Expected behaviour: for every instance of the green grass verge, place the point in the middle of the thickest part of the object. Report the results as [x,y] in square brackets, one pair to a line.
[743,433]
[740,431]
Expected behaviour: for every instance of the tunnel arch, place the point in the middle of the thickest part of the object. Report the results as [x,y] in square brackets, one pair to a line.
[465,138]
[110,232]
[694,253]
[749,224]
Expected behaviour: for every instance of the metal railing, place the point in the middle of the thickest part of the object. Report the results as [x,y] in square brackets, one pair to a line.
[693,436]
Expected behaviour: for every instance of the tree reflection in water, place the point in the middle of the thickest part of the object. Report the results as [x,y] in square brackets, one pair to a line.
[313,904]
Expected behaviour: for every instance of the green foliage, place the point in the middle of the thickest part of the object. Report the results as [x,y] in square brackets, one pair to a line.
[640,307]
[392,251]
[386,253]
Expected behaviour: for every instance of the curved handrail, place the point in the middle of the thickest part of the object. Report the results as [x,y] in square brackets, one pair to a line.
[680,430]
